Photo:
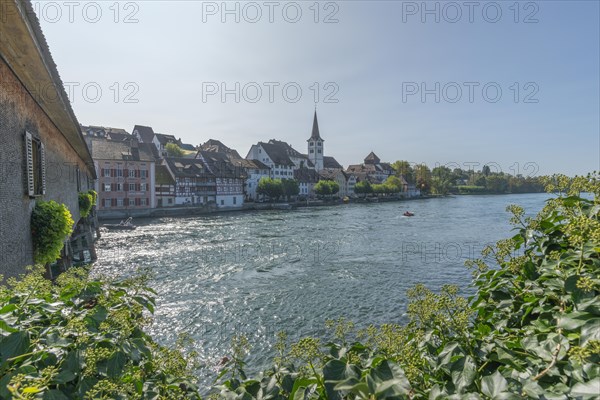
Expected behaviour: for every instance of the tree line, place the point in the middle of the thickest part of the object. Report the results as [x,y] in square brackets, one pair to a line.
[442,180]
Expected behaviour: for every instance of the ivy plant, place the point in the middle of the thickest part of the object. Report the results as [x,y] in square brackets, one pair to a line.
[51,224]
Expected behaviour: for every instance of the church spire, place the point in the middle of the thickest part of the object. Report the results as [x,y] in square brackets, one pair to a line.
[315,129]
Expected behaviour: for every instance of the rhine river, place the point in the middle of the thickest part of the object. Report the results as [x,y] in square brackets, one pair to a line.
[257,273]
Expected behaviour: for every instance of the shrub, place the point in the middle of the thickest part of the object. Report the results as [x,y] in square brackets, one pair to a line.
[83,338]
[94,195]
[86,201]
[51,224]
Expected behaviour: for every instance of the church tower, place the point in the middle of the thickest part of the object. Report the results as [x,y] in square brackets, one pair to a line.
[315,146]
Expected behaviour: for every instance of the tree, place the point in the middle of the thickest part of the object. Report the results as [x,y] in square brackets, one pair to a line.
[404,169]
[496,183]
[326,188]
[290,187]
[173,150]
[272,188]
[423,178]
[363,187]
[394,184]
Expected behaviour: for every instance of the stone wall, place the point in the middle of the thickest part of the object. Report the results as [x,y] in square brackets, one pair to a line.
[19,113]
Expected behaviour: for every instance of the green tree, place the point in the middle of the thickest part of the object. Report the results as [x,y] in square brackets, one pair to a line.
[363,187]
[290,188]
[496,183]
[423,178]
[173,150]
[323,188]
[403,169]
[394,184]
[272,188]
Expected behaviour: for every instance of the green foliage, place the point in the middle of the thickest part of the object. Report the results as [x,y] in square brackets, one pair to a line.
[86,201]
[532,329]
[326,188]
[82,338]
[272,188]
[51,223]
[173,150]
[290,187]
[363,187]
[94,195]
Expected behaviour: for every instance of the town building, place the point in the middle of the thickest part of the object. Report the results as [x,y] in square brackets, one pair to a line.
[43,154]
[229,178]
[306,178]
[254,171]
[345,180]
[165,187]
[372,168]
[195,184]
[126,174]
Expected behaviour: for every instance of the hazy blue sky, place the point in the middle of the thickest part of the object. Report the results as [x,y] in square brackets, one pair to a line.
[375,61]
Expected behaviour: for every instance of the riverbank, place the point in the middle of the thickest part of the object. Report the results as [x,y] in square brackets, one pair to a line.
[193,210]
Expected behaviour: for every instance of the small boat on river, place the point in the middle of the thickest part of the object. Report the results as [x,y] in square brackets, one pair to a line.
[408,214]
[123,225]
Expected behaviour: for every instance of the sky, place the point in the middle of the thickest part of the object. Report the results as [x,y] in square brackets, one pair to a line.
[514,85]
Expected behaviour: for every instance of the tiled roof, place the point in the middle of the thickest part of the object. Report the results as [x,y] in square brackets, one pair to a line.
[151,149]
[306,175]
[103,149]
[164,139]
[187,167]
[217,146]
[277,153]
[330,162]
[372,159]
[145,132]
[19,52]
[220,164]
[163,176]
[250,164]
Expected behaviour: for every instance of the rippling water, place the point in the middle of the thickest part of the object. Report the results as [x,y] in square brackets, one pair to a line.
[257,273]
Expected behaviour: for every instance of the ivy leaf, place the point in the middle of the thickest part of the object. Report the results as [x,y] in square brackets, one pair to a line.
[463,372]
[13,345]
[588,390]
[493,385]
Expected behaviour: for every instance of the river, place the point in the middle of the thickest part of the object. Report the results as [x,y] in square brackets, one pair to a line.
[257,273]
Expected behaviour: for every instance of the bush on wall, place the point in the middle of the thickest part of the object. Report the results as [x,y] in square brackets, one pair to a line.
[51,223]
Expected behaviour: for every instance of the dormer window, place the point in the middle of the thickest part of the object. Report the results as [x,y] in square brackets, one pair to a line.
[319,144]
[311,143]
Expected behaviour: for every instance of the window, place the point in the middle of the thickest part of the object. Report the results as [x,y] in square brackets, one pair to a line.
[222,202]
[119,187]
[132,173]
[119,202]
[106,172]
[132,187]
[36,166]
[319,144]
[106,203]
[132,202]
[312,151]
[144,173]
[234,200]
[119,171]
[143,187]
[311,144]
[319,151]
[259,150]
[107,187]
[143,202]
